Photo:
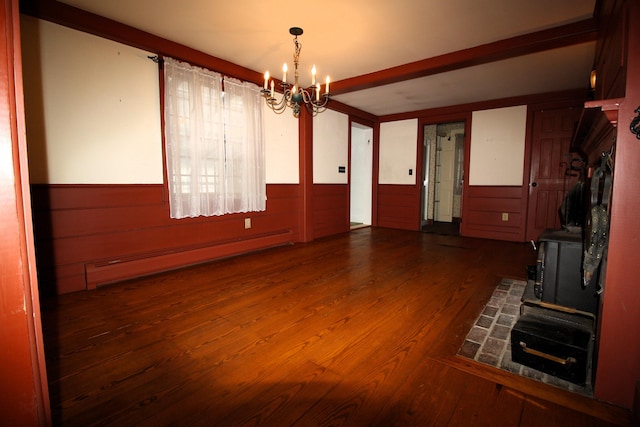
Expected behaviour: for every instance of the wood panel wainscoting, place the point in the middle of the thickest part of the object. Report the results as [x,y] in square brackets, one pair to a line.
[484,209]
[89,235]
[330,209]
[360,328]
[399,206]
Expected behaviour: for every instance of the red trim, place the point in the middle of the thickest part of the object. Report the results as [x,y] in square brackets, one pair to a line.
[24,398]
[353,112]
[305,143]
[375,187]
[464,117]
[81,20]
[101,273]
[571,96]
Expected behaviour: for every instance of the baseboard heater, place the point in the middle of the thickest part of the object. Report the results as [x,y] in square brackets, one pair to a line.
[106,272]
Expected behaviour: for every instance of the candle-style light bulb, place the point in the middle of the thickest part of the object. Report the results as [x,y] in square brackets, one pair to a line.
[284,73]
[318,91]
[313,75]
[266,79]
[326,89]
[272,89]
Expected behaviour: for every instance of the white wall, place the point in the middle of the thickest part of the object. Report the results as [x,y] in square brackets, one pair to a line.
[93,112]
[93,109]
[281,147]
[330,148]
[398,148]
[93,116]
[497,146]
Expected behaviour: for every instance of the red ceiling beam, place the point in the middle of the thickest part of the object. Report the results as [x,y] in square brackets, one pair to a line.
[566,35]
[78,19]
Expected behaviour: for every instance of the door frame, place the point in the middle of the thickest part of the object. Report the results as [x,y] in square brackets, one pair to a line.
[463,117]
[375,132]
[26,401]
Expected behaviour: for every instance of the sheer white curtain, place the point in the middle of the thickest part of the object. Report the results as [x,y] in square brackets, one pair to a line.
[214,148]
[244,148]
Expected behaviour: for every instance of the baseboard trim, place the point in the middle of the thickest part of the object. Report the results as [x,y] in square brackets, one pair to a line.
[106,272]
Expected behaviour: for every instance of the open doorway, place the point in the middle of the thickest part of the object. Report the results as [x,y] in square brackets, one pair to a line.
[361,170]
[442,178]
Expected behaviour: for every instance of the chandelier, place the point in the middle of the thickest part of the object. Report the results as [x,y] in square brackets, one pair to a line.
[293,96]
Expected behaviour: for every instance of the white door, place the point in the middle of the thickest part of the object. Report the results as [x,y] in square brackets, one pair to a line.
[445,168]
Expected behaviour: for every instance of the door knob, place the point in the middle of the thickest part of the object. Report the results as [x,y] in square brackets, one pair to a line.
[534,184]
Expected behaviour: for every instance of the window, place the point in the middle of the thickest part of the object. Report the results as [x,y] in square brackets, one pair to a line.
[214,143]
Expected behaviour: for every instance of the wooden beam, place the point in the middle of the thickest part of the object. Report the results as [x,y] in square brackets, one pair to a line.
[553,38]
[91,23]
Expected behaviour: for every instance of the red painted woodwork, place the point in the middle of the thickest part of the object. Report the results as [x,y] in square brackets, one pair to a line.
[399,206]
[574,33]
[330,209]
[375,187]
[81,20]
[93,234]
[106,272]
[595,133]
[482,215]
[305,162]
[619,347]
[24,398]
[611,49]
[394,206]
[575,97]
[550,159]
[352,112]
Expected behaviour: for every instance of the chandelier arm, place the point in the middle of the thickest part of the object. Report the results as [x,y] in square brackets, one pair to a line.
[276,106]
[306,98]
[313,110]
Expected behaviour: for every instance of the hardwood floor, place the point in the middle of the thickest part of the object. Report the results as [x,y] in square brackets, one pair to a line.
[356,329]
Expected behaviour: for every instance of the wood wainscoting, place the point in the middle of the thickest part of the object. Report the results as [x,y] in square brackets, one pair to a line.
[88,235]
[484,209]
[399,206]
[330,209]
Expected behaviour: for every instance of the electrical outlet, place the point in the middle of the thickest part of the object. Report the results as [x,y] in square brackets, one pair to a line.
[505,216]
[247,223]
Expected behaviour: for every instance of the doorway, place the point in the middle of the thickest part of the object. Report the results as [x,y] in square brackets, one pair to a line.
[442,178]
[361,170]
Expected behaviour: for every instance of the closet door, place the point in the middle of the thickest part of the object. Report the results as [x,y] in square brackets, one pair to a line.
[550,158]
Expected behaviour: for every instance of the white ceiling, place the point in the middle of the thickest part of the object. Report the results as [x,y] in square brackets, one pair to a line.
[349,38]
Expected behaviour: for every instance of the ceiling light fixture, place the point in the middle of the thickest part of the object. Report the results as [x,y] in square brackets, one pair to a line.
[292,94]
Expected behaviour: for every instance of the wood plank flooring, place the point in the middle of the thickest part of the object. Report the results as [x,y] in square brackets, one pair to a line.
[356,329]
